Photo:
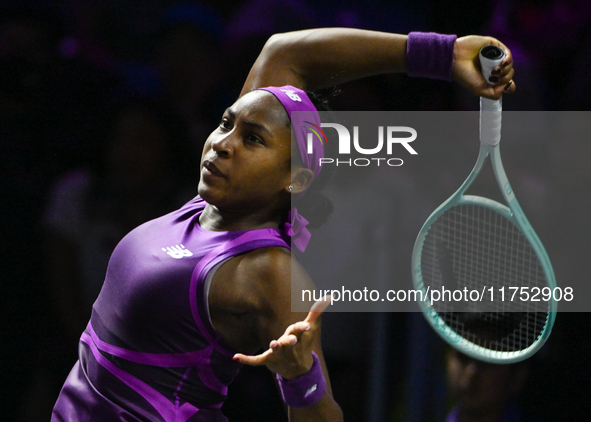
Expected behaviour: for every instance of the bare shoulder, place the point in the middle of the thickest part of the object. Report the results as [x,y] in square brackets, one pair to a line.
[250,297]
[272,265]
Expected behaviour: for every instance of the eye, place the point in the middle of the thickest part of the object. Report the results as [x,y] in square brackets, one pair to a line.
[225,124]
[253,139]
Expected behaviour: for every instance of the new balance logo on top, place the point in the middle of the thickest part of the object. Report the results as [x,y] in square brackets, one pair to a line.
[292,95]
[311,390]
[177,251]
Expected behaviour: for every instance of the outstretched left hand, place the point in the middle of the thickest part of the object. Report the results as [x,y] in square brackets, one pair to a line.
[291,354]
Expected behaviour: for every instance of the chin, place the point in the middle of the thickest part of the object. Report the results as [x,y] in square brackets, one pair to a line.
[205,193]
[211,195]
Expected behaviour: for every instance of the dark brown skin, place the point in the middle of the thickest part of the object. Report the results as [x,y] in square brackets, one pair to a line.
[250,295]
[319,58]
[245,178]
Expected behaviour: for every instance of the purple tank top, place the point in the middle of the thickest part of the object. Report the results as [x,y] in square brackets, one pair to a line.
[150,352]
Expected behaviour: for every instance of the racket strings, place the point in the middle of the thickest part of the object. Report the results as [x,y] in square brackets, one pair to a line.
[481,254]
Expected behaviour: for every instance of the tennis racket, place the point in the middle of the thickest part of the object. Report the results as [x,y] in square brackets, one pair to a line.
[475,260]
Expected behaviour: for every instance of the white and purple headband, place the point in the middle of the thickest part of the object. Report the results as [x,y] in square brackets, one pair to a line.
[305,122]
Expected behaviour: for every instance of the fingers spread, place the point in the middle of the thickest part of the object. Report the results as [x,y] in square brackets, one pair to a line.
[297,328]
[283,341]
[321,305]
[289,339]
[317,309]
[252,360]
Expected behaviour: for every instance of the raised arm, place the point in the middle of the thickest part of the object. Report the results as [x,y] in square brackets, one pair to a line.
[319,58]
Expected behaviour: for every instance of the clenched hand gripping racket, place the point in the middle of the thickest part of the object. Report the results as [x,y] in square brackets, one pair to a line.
[489,252]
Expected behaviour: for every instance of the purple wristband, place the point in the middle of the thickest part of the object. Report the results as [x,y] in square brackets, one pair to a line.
[305,390]
[430,55]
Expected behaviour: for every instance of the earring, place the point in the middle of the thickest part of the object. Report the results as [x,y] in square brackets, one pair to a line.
[290,188]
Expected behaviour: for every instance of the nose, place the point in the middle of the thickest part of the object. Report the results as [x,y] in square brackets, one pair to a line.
[223,144]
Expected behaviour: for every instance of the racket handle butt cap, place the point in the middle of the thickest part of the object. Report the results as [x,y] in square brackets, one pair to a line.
[490,56]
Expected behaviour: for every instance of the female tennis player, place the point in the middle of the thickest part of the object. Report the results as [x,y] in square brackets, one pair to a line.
[190,297]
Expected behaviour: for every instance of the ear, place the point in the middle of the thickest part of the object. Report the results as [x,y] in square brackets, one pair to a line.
[301,179]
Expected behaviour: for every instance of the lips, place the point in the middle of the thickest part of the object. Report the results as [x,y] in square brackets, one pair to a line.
[211,168]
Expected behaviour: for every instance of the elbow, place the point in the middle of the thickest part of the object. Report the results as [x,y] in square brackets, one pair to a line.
[277,46]
[282,61]
[290,46]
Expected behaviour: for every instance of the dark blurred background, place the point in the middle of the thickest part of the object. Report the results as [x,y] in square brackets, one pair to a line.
[105,106]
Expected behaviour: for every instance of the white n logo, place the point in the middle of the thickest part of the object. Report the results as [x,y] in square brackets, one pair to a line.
[292,95]
[177,251]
